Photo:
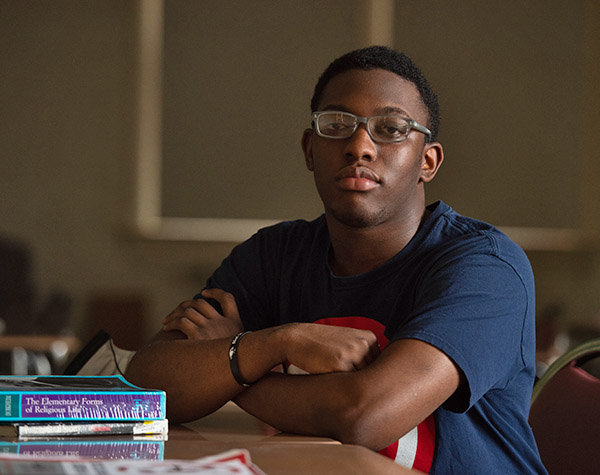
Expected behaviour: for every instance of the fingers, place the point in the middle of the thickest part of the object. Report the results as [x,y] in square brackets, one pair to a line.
[369,353]
[227,301]
[194,310]
[198,318]
[374,349]
[190,329]
[324,349]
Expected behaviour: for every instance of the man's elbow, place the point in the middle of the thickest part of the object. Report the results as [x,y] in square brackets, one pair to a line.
[150,366]
[358,430]
[360,421]
[135,372]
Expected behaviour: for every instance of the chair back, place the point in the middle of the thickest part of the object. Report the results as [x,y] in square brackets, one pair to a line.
[565,413]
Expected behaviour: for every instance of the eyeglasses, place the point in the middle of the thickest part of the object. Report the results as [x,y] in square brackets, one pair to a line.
[381,128]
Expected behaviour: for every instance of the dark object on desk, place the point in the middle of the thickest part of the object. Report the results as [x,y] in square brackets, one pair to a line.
[59,398]
[99,357]
[86,353]
[565,413]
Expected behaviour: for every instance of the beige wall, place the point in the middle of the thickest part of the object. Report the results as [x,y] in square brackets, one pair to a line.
[515,80]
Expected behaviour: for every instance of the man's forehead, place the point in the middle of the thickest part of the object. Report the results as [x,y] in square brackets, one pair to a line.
[385,110]
[385,92]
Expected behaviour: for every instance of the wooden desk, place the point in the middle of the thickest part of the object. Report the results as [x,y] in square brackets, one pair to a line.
[231,428]
[272,451]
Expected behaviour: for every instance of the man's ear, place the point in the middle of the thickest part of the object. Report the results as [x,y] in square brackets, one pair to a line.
[433,156]
[307,137]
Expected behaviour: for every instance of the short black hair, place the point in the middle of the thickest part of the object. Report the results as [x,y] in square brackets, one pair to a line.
[382,57]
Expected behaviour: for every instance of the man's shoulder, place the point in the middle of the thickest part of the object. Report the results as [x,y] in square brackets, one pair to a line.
[452,232]
[450,224]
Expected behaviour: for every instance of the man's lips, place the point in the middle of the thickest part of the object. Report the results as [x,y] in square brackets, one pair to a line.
[357,179]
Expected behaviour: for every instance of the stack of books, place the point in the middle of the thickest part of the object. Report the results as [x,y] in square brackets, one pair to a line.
[42,415]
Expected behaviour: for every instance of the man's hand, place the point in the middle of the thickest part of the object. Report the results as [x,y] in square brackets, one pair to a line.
[319,349]
[198,319]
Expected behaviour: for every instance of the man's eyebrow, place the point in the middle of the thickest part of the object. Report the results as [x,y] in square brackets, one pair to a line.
[393,110]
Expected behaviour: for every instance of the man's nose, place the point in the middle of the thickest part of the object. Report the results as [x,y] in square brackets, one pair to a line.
[360,145]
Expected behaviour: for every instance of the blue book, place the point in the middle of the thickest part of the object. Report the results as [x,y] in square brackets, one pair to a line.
[78,398]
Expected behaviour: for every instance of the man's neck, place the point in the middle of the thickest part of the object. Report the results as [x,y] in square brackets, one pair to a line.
[359,250]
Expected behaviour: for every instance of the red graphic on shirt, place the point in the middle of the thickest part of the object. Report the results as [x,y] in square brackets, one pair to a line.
[416,449]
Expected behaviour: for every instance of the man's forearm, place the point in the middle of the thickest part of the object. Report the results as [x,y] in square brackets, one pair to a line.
[183,368]
[327,405]
[373,406]
[197,377]
[195,373]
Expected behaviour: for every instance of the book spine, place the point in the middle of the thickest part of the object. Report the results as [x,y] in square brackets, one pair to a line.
[69,429]
[105,406]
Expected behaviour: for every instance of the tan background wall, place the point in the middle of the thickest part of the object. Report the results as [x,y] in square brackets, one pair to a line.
[516,80]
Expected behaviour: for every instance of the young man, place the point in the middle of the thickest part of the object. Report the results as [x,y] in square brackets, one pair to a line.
[423,346]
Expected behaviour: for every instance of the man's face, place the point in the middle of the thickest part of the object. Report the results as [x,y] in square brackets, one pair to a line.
[363,183]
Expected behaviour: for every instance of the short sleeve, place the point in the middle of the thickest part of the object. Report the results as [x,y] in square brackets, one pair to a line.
[473,308]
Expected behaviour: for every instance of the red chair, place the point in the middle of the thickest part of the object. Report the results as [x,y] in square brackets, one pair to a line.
[565,413]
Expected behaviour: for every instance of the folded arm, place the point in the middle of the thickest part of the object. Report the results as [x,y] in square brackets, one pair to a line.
[352,393]
[373,407]
[189,359]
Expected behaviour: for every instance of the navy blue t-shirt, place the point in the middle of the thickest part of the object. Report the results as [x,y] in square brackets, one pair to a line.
[460,285]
